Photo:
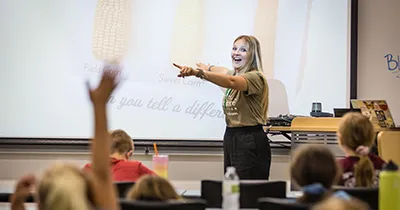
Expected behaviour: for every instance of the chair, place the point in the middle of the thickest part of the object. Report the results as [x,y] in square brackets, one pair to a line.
[279,102]
[250,191]
[368,195]
[123,188]
[195,204]
[281,204]
[389,146]
[5,197]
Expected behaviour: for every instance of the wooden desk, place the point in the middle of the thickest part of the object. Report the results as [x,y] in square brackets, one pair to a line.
[317,124]
[32,206]
[28,206]
[315,130]
[305,124]
[278,128]
[184,188]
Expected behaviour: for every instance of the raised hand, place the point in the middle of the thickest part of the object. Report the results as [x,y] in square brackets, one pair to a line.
[185,71]
[362,150]
[203,66]
[23,189]
[105,196]
[108,83]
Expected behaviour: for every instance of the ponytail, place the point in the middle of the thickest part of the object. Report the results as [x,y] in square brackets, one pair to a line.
[364,172]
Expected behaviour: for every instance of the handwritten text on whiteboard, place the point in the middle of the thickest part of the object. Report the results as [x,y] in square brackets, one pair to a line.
[393,64]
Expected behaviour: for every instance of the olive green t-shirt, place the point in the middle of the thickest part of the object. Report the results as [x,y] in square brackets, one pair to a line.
[245,108]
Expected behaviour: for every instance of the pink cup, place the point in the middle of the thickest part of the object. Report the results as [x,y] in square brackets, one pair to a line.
[160,165]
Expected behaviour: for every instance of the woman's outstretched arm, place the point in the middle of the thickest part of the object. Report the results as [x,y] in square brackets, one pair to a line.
[212,68]
[222,80]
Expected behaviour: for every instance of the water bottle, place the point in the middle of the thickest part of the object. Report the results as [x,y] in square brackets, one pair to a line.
[230,190]
[389,187]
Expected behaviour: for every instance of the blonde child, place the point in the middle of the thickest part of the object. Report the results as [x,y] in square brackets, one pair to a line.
[360,168]
[66,187]
[152,188]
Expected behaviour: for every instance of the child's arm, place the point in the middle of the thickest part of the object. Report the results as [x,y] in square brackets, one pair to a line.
[362,150]
[144,170]
[104,192]
[22,192]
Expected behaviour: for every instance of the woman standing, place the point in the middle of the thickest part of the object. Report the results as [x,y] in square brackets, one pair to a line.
[245,104]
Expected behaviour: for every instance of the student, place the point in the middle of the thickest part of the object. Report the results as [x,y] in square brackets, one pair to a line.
[122,168]
[360,168]
[66,187]
[314,169]
[152,188]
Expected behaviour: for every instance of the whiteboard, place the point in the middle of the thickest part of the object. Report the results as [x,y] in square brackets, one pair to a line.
[46,58]
[379,52]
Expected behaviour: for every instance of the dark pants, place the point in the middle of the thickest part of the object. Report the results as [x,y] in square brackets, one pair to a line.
[247,149]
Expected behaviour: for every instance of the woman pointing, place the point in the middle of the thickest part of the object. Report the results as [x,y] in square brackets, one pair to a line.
[245,105]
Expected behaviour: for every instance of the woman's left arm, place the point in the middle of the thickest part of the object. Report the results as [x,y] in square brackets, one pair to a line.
[223,80]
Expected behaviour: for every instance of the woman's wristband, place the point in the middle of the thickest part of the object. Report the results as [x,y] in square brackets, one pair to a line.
[209,68]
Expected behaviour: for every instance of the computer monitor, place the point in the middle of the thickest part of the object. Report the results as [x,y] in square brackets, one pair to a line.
[339,112]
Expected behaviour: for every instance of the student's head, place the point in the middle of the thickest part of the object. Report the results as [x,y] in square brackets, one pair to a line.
[341,204]
[122,144]
[64,187]
[246,54]
[152,188]
[314,169]
[356,130]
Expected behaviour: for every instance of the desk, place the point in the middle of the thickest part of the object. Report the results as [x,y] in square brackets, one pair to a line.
[32,206]
[189,189]
[279,130]
[317,124]
[28,206]
[315,130]
[7,189]
[197,193]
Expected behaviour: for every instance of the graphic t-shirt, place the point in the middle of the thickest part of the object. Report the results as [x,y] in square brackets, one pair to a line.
[245,108]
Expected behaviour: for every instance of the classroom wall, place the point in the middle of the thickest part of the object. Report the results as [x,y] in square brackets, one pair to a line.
[379,52]
[186,167]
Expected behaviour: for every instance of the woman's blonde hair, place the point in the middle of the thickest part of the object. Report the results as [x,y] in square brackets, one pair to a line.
[357,130]
[64,187]
[254,63]
[152,188]
[314,164]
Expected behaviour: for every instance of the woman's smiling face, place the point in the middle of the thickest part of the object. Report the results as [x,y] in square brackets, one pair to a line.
[239,54]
